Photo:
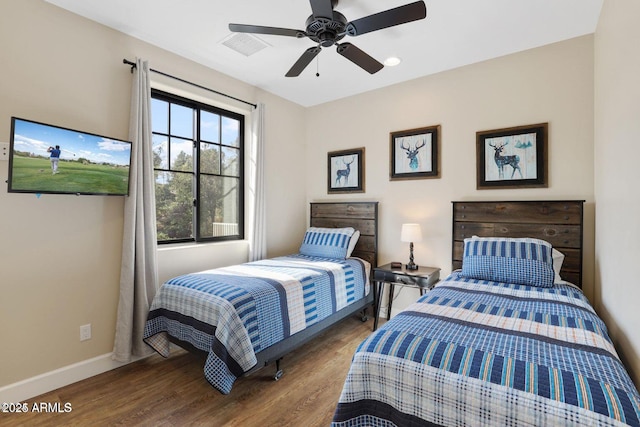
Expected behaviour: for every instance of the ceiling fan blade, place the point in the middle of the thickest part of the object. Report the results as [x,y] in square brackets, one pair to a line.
[359,57]
[322,8]
[258,29]
[389,18]
[303,61]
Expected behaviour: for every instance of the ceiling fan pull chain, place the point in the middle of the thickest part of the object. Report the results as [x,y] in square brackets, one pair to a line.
[318,66]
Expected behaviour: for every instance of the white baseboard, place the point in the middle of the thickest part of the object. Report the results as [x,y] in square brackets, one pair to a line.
[49,381]
[383,312]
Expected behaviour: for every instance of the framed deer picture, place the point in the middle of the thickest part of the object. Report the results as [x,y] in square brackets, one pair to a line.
[345,171]
[512,157]
[414,153]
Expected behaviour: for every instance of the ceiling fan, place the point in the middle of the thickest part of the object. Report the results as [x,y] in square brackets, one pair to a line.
[327,27]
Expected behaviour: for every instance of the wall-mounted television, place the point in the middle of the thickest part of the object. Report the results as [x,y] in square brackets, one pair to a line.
[55,160]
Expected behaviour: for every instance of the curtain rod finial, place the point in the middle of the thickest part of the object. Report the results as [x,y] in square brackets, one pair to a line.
[133,64]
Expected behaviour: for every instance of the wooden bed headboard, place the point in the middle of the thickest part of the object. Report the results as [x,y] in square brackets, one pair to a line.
[559,222]
[362,216]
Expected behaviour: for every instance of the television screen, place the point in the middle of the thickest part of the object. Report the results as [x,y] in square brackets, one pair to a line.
[50,159]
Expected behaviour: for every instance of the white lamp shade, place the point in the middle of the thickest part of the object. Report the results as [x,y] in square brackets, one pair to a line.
[411,233]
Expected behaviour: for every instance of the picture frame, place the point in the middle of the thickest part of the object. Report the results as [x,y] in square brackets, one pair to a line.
[514,157]
[414,153]
[345,171]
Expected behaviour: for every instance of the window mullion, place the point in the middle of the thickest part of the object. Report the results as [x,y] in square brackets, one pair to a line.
[196,174]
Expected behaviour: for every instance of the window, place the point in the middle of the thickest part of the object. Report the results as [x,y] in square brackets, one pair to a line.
[198,161]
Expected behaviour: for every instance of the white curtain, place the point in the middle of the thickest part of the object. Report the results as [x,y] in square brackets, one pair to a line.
[139,270]
[257,215]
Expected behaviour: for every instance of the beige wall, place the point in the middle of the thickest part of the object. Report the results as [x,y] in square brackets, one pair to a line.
[62,69]
[60,255]
[551,84]
[617,127]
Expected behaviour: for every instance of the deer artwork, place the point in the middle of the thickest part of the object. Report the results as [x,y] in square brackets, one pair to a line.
[344,173]
[502,161]
[412,154]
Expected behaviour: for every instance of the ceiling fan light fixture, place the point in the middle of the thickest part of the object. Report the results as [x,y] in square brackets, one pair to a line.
[392,61]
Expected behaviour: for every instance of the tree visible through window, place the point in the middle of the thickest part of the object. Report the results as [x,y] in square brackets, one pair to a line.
[198,162]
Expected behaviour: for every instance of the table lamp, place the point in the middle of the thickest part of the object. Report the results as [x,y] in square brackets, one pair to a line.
[411,233]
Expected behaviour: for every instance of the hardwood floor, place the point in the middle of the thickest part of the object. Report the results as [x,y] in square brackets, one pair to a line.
[173,392]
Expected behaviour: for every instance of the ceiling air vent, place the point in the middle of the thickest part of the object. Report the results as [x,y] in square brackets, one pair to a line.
[246,44]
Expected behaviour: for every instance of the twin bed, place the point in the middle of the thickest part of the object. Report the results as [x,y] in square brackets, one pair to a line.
[507,339]
[250,315]
[503,341]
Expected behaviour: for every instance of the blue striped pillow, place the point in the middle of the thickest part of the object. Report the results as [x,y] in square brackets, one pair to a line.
[327,242]
[523,261]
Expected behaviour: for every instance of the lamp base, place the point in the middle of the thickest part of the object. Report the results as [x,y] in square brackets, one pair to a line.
[411,266]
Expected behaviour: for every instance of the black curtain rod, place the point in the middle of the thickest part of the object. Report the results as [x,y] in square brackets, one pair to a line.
[133,65]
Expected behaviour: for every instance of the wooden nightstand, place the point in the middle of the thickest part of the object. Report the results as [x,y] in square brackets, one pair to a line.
[424,278]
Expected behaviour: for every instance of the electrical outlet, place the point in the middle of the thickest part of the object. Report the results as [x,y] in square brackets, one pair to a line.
[4,151]
[85,332]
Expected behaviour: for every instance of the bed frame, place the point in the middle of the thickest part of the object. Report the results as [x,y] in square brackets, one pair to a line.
[362,216]
[559,222]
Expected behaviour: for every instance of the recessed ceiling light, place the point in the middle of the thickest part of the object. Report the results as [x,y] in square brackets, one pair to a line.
[392,61]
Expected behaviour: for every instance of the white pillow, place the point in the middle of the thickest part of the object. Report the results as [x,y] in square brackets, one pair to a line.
[354,239]
[558,259]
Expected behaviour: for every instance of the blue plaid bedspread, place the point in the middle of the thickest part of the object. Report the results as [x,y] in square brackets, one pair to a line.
[234,312]
[478,353]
